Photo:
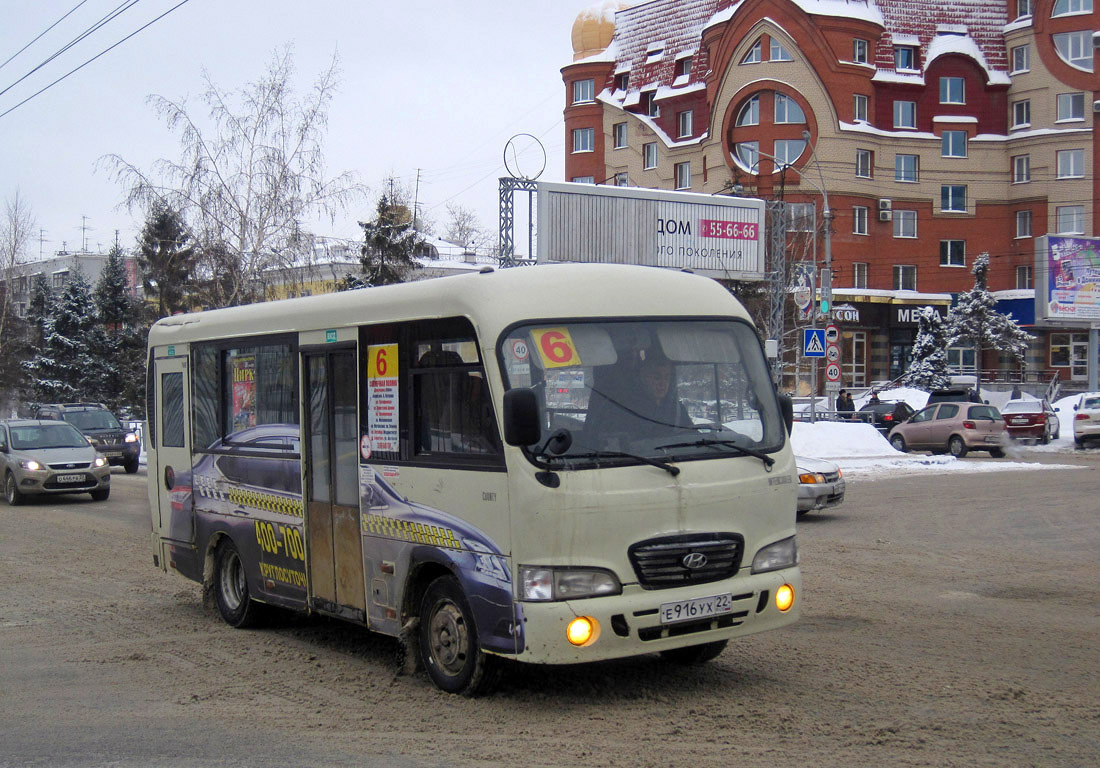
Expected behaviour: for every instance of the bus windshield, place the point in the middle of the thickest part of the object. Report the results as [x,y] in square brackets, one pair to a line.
[668,390]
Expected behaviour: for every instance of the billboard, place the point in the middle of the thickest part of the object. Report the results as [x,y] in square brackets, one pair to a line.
[712,235]
[1067,279]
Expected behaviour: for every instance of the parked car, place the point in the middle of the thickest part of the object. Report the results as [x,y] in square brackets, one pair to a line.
[820,484]
[49,457]
[118,445]
[953,427]
[1034,419]
[953,395]
[1086,420]
[885,415]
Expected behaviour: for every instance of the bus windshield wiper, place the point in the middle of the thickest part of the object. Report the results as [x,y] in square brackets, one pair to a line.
[620,455]
[711,442]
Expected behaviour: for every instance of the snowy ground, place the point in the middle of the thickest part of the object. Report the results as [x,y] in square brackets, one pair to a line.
[862,451]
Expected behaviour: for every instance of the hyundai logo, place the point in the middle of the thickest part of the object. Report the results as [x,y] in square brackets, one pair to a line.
[694,560]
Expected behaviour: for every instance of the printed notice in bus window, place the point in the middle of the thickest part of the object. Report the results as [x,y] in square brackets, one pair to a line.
[243,369]
[382,399]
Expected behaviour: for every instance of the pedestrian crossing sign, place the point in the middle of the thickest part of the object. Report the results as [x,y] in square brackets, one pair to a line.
[813,342]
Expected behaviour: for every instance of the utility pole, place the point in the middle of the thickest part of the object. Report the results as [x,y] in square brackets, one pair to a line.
[83,234]
[416,198]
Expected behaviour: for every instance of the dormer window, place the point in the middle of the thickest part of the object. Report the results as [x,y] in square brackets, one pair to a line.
[905,57]
[649,104]
[654,52]
[622,81]
[683,66]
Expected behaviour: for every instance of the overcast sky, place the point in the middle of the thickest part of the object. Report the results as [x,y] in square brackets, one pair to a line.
[430,85]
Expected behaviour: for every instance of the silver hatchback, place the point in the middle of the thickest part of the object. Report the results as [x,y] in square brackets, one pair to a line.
[39,457]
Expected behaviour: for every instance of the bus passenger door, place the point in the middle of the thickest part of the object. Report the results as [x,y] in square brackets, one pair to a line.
[332,483]
[175,518]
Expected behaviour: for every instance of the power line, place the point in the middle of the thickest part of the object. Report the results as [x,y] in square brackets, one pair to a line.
[89,61]
[40,34]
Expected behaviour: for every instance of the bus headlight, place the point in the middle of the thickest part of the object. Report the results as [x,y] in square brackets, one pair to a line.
[542,584]
[781,554]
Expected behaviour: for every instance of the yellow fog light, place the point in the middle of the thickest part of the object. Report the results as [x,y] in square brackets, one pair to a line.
[784,597]
[582,631]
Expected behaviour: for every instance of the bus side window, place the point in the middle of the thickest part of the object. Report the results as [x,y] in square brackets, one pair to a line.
[453,410]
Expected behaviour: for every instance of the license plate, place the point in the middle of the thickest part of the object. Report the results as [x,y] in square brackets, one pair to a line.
[1019,421]
[992,439]
[70,478]
[111,454]
[699,608]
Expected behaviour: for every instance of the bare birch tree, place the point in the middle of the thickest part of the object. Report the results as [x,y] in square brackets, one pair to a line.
[248,179]
[16,231]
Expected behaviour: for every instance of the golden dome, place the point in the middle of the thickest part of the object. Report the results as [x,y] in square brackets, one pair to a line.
[594,28]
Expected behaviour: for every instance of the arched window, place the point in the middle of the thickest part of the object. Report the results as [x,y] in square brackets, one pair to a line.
[787,110]
[750,112]
[1075,49]
[754,55]
[1066,7]
[747,154]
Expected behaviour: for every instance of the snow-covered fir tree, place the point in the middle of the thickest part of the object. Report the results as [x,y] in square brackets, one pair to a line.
[928,369]
[122,335]
[65,368]
[390,243]
[975,322]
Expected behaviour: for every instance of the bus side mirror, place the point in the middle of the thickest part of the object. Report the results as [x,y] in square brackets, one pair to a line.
[521,417]
[786,406]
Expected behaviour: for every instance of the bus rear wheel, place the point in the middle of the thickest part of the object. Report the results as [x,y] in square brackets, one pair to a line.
[235,603]
[449,643]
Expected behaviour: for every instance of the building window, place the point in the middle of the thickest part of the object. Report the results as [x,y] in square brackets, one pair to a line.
[954,144]
[1070,219]
[788,150]
[748,155]
[1023,223]
[622,179]
[655,52]
[1021,59]
[1021,113]
[755,55]
[1021,169]
[60,278]
[683,175]
[905,277]
[864,163]
[583,91]
[961,360]
[750,112]
[1066,7]
[1075,49]
[649,155]
[800,217]
[683,66]
[622,81]
[952,90]
[618,131]
[905,223]
[1071,163]
[1024,279]
[859,274]
[905,167]
[859,219]
[649,104]
[787,110]
[905,114]
[778,52]
[1023,8]
[953,198]
[1071,106]
[584,140]
[952,253]
[859,108]
[860,51]
[905,57]
[685,120]
[584,179]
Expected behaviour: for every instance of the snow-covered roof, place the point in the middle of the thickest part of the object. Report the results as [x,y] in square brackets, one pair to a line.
[924,22]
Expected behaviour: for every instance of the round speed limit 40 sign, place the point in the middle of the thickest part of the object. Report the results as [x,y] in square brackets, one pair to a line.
[832,372]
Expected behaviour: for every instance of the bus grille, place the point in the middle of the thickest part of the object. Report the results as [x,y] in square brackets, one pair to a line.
[663,563]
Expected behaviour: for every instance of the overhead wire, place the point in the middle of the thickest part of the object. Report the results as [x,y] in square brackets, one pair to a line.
[43,32]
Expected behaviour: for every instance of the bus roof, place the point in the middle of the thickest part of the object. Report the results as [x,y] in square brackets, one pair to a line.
[493,300]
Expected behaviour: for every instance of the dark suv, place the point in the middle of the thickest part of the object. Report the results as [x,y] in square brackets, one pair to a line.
[118,445]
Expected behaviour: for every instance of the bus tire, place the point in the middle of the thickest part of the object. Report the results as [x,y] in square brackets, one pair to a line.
[695,654]
[235,603]
[449,644]
[12,494]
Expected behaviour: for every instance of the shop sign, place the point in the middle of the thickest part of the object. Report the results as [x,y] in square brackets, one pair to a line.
[845,313]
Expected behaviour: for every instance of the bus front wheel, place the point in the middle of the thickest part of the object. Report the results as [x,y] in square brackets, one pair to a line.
[449,643]
[235,603]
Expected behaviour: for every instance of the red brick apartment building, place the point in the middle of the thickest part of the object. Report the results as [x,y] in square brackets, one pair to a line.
[942,130]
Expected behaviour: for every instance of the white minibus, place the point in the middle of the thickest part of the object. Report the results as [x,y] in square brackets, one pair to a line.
[551,464]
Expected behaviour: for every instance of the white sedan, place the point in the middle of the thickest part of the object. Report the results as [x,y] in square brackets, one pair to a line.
[1086,419]
[820,484]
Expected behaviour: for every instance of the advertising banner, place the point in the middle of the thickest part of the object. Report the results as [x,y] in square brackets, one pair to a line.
[1071,289]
